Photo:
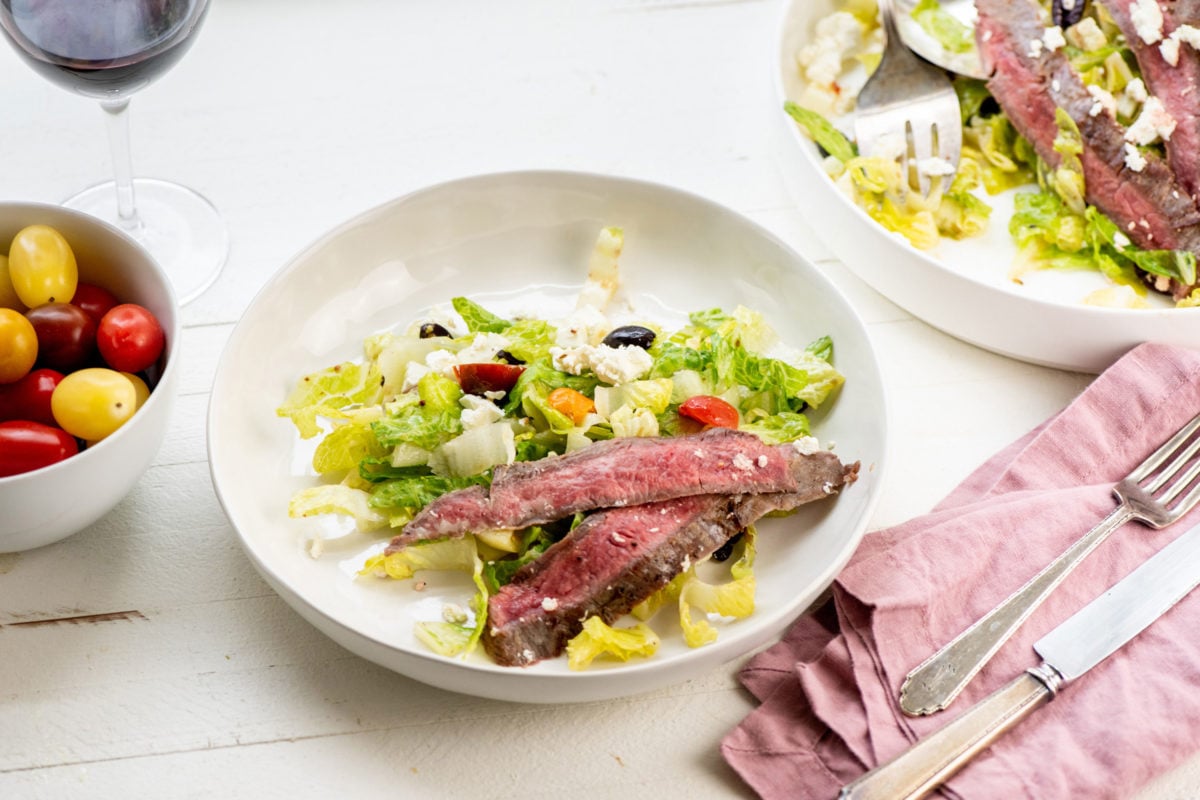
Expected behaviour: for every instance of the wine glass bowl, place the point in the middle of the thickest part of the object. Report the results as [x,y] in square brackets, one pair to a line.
[108,50]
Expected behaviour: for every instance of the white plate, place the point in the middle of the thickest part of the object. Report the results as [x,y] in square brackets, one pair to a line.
[963,288]
[521,239]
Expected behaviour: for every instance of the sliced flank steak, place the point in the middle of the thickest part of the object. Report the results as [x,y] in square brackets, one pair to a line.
[612,561]
[620,472]
[1030,81]
[1176,85]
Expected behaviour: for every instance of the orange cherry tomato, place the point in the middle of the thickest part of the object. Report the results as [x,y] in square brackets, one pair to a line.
[571,403]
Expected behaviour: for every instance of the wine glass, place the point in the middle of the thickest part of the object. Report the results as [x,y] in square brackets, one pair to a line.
[107,50]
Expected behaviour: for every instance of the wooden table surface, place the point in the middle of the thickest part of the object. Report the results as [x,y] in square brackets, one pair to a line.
[144,657]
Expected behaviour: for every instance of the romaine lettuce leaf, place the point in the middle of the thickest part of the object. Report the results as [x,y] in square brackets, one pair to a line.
[598,639]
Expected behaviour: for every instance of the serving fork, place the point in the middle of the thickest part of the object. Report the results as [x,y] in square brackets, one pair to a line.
[909,105]
[1149,494]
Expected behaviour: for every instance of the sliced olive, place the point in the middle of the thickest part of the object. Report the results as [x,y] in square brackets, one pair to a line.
[507,357]
[432,329]
[1066,13]
[630,336]
[723,552]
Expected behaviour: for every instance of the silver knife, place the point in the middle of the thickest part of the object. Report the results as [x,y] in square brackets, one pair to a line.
[1092,634]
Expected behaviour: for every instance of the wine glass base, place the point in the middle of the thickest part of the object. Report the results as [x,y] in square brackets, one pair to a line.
[178,226]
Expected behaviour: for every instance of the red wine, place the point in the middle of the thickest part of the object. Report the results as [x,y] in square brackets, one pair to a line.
[101,48]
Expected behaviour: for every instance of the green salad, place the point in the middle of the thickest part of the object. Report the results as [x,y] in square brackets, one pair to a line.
[1052,226]
[438,406]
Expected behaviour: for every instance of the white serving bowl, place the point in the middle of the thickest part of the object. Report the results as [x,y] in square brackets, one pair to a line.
[49,504]
[520,241]
[962,288]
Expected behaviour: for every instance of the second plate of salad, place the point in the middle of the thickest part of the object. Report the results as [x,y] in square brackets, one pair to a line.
[1020,255]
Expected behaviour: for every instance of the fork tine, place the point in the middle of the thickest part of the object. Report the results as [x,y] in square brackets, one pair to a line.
[1181,483]
[1155,459]
[1176,464]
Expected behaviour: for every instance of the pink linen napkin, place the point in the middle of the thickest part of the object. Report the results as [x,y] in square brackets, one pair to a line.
[828,690]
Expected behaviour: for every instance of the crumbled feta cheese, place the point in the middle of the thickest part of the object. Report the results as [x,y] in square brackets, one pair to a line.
[890,146]
[442,361]
[1135,90]
[742,461]
[455,614]
[837,38]
[763,461]
[806,445]
[478,411]
[617,538]
[483,347]
[1170,45]
[1104,101]
[1169,49]
[1134,158]
[1068,5]
[1121,241]
[1053,38]
[316,547]
[494,395]
[549,603]
[1035,48]
[1147,20]
[827,487]
[586,325]
[1152,124]
[614,365]
[934,167]
[617,365]
[1055,84]
[1086,35]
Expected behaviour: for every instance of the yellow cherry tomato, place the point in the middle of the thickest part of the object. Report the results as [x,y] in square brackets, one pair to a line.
[18,345]
[92,403]
[42,266]
[8,295]
[140,387]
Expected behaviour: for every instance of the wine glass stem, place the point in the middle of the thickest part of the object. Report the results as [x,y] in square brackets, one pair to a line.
[116,116]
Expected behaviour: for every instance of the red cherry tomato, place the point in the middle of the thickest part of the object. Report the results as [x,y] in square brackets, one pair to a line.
[709,410]
[26,446]
[66,335]
[130,338]
[487,376]
[29,398]
[95,300]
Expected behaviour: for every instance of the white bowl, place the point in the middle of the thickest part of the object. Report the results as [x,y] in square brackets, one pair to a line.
[962,288]
[493,237]
[49,504]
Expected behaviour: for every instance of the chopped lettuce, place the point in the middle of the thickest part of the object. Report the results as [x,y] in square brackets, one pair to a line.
[734,598]
[951,34]
[446,554]
[599,639]
[328,392]
[821,131]
[479,318]
[337,499]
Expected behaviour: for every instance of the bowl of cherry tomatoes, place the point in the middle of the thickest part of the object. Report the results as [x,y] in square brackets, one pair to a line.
[89,330]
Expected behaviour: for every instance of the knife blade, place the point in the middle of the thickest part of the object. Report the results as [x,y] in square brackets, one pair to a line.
[1089,636]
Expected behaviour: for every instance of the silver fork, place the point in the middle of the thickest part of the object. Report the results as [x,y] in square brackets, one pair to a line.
[912,103]
[1150,494]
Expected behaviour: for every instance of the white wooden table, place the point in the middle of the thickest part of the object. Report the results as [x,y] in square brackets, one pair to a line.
[144,657]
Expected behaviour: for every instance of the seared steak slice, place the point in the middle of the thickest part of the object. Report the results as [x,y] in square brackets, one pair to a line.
[1177,86]
[619,472]
[1029,82]
[614,560]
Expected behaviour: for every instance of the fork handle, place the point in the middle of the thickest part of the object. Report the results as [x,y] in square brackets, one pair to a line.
[934,684]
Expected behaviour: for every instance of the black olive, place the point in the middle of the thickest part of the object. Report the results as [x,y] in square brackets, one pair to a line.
[1066,13]
[630,336]
[432,329]
[507,357]
[723,552]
